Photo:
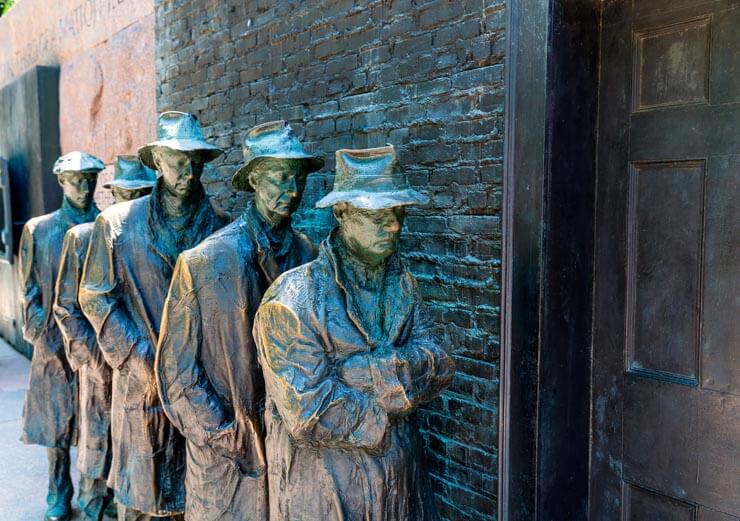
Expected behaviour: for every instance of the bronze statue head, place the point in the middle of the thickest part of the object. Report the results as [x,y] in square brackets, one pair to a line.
[369,199]
[131,179]
[77,174]
[179,152]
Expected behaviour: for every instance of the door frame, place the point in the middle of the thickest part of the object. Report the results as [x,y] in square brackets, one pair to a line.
[551,106]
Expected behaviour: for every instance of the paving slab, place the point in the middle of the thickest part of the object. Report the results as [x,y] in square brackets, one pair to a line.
[23,468]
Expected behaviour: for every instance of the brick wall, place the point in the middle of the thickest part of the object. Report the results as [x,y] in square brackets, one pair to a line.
[426,76]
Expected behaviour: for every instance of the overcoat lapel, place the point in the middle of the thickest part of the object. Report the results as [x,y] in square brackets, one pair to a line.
[396,297]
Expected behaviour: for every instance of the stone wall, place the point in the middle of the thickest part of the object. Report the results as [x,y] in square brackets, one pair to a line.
[105,52]
[424,75]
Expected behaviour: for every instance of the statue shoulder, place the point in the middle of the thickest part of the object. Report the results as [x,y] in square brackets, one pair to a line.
[297,286]
[41,223]
[81,232]
[222,245]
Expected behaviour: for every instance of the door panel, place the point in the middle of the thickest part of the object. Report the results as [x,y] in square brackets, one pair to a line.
[666,365]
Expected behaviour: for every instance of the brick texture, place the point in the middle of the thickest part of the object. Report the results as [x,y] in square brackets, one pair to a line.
[426,76]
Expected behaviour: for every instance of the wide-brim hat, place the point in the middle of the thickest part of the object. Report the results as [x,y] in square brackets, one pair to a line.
[370,179]
[273,140]
[131,174]
[78,162]
[179,131]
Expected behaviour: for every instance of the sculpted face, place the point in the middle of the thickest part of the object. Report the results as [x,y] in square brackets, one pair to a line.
[370,235]
[180,171]
[121,195]
[78,188]
[278,187]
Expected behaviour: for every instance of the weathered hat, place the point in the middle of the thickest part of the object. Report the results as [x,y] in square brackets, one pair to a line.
[78,162]
[131,174]
[179,131]
[370,179]
[271,140]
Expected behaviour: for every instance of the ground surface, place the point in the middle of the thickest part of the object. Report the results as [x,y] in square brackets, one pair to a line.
[23,468]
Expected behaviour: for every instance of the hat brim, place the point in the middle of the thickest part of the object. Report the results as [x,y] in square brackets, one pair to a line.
[129,184]
[240,179]
[85,171]
[207,151]
[374,200]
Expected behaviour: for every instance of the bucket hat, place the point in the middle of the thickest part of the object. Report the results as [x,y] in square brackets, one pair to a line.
[78,162]
[370,179]
[271,140]
[131,174]
[179,131]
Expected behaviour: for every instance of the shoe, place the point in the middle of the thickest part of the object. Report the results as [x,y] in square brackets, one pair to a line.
[59,513]
[111,510]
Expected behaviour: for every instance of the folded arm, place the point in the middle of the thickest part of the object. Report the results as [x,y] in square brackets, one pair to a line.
[316,406]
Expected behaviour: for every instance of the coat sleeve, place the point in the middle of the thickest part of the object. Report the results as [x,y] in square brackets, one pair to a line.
[406,375]
[426,367]
[79,336]
[187,395]
[315,405]
[100,298]
[34,318]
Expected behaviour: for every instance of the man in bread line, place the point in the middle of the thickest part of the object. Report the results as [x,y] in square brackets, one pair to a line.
[95,499]
[49,411]
[132,254]
[209,379]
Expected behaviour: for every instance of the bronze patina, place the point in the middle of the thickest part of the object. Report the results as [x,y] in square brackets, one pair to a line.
[131,179]
[348,354]
[133,249]
[209,379]
[95,499]
[49,412]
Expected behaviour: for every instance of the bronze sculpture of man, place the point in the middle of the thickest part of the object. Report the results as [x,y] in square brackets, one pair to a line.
[131,180]
[49,411]
[347,355]
[132,253]
[208,376]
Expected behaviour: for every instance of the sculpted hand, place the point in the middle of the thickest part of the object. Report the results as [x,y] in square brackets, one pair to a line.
[239,442]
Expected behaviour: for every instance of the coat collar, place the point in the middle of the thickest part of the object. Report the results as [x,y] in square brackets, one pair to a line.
[272,261]
[72,216]
[397,292]
[167,241]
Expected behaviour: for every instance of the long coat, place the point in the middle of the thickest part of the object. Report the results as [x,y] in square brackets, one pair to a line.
[209,379]
[124,284]
[49,411]
[342,439]
[84,356]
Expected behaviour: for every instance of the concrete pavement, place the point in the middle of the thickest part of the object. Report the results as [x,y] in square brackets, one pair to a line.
[23,468]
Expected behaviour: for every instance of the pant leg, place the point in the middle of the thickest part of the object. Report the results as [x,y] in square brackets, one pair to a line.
[60,480]
[93,498]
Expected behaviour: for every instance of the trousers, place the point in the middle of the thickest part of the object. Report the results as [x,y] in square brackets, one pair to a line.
[60,481]
[93,498]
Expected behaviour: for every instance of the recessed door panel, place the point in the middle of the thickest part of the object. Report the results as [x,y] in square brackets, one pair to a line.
[666,413]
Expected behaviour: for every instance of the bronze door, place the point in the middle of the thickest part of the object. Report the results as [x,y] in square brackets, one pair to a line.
[666,364]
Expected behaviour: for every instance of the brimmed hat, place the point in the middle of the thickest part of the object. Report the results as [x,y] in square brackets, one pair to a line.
[131,174]
[370,179]
[78,162]
[271,140]
[179,131]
